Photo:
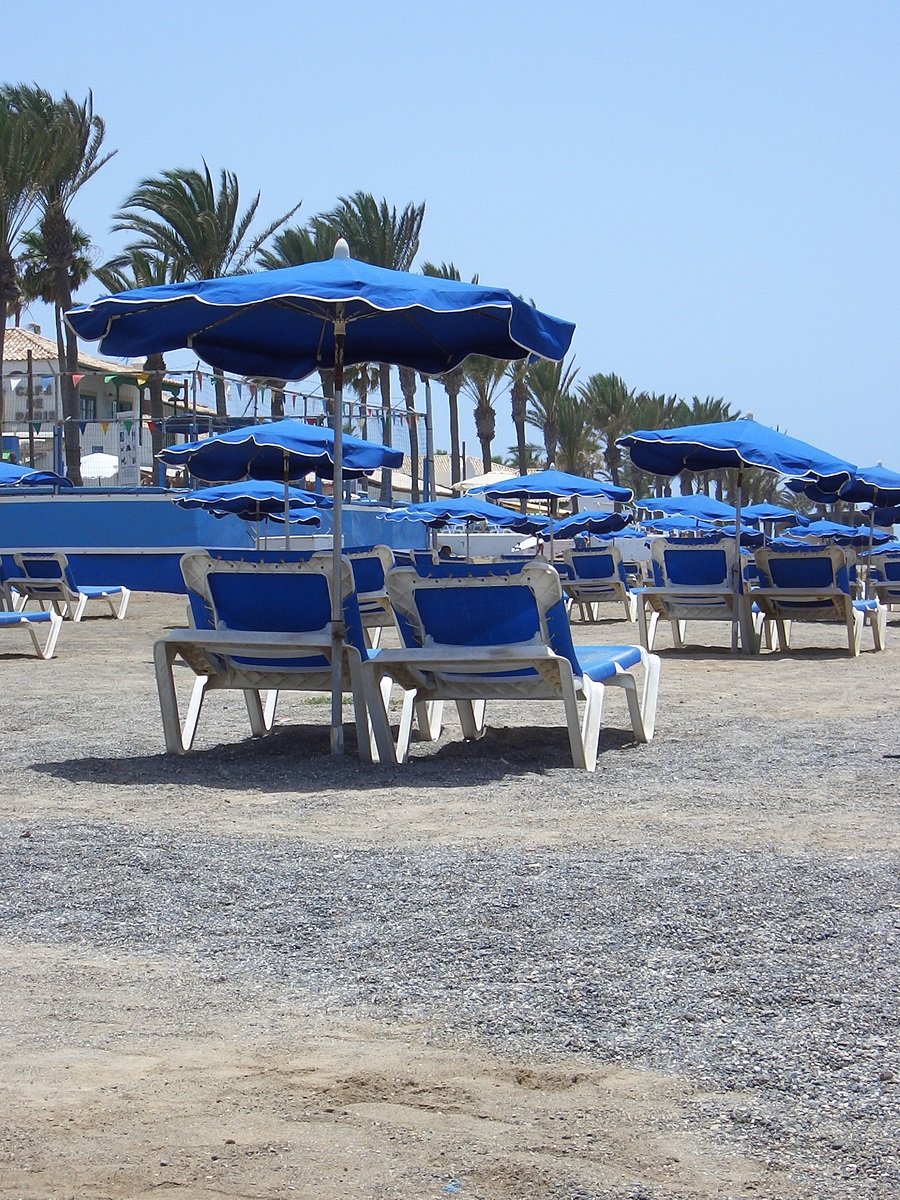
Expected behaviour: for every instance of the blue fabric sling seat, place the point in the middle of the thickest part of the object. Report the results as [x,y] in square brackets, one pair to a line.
[265,627]
[813,584]
[479,632]
[29,622]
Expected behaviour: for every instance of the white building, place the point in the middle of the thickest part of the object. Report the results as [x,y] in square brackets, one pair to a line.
[112,398]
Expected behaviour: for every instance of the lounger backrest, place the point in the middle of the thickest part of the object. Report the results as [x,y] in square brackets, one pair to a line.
[370,567]
[705,563]
[52,567]
[274,598]
[810,567]
[885,567]
[597,565]
[483,608]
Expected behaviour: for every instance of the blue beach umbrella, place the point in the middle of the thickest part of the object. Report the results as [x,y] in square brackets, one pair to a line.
[252,500]
[596,523]
[837,531]
[15,475]
[704,508]
[886,515]
[285,324]
[284,450]
[733,444]
[771,512]
[552,485]
[677,523]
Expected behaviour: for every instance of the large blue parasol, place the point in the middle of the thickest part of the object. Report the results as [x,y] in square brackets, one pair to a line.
[551,485]
[254,499]
[733,444]
[285,324]
[287,450]
[702,508]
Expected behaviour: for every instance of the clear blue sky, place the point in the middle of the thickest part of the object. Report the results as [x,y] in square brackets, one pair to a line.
[711,191]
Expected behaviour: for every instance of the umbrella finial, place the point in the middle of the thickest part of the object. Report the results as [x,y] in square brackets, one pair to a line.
[341,249]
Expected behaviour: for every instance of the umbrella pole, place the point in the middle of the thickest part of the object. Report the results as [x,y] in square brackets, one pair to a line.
[287,502]
[337,539]
[741,621]
[867,593]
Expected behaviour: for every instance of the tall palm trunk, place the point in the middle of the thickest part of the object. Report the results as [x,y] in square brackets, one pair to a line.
[519,399]
[452,382]
[219,384]
[326,377]
[155,367]
[408,388]
[277,403]
[9,293]
[485,427]
[384,383]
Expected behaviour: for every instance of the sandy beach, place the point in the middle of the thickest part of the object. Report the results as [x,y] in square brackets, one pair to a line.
[256,971]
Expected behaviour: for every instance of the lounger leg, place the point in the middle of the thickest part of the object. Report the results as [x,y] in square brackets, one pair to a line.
[429,719]
[255,712]
[784,637]
[49,646]
[269,706]
[646,623]
[177,740]
[642,709]
[879,626]
[79,608]
[471,717]
[404,733]
[591,722]
[373,733]
[854,629]
[123,604]
[630,607]
[573,723]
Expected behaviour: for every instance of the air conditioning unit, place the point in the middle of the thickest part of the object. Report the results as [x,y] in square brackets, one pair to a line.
[20,416]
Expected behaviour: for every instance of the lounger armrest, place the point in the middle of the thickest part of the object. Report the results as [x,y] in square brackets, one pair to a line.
[227,641]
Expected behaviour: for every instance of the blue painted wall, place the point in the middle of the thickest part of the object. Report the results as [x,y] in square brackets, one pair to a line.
[136,537]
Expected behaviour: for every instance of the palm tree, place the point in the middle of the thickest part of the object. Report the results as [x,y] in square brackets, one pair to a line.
[611,410]
[483,380]
[518,372]
[197,226]
[578,448]
[133,269]
[21,159]
[378,234]
[533,455]
[408,380]
[451,381]
[69,137]
[548,381]
[653,411]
